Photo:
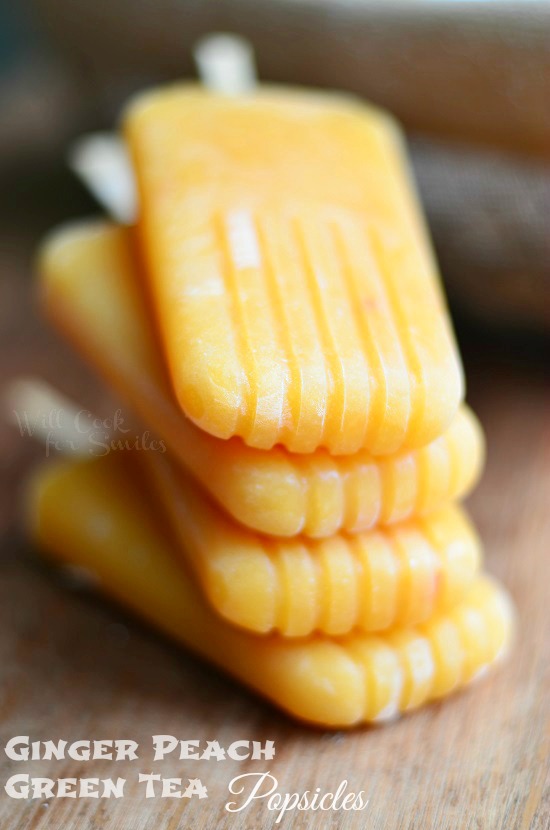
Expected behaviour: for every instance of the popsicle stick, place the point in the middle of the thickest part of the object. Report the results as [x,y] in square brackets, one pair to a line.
[43,413]
[39,410]
[102,163]
[225,63]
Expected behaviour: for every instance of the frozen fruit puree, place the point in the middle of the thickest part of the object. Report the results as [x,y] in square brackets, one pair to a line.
[91,285]
[95,514]
[275,320]
[295,288]
[372,580]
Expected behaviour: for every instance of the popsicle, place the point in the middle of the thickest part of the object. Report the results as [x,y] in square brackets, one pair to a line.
[296,292]
[93,514]
[372,581]
[92,289]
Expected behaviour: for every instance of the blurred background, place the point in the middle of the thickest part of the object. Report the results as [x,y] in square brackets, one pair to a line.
[470,81]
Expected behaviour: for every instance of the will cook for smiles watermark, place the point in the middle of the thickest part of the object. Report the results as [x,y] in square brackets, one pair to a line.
[81,432]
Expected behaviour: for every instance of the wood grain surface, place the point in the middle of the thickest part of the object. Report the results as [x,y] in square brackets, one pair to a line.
[74,667]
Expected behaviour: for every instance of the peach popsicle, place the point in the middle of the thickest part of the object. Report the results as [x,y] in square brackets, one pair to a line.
[373,580]
[93,514]
[91,288]
[296,292]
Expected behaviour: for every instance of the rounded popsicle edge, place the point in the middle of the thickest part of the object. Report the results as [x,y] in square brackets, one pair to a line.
[330,683]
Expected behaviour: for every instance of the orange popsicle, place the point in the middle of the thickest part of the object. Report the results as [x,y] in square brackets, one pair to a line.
[296,292]
[91,287]
[372,580]
[92,514]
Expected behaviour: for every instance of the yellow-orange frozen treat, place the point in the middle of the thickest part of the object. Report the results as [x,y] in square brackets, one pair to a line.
[91,287]
[296,293]
[92,514]
[373,580]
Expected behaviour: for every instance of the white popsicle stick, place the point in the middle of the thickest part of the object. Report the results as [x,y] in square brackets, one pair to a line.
[102,163]
[41,412]
[225,63]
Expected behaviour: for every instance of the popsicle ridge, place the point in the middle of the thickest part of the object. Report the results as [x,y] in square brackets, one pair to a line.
[380,347]
[370,581]
[409,667]
[354,351]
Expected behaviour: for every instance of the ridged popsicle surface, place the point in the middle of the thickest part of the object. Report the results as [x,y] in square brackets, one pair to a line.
[92,289]
[372,580]
[296,293]
[91,514]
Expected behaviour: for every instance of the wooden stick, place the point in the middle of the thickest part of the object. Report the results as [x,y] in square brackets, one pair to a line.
[225,64]
[102,163]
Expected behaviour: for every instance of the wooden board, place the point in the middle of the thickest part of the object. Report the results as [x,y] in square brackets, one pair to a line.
[74,667]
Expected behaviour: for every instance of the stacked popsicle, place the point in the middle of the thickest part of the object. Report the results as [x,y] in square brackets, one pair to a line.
[276,317]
